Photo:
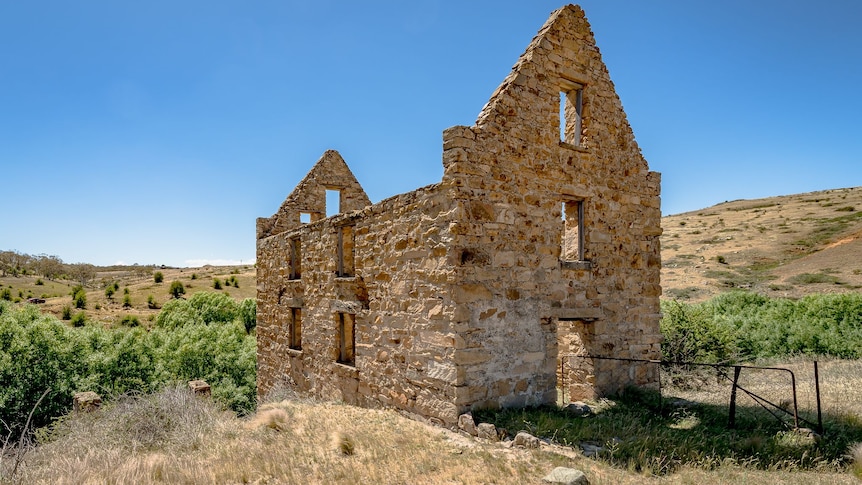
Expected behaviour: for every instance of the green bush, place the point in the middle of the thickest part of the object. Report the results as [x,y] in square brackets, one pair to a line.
[39,282]
[79,297]
[67,313]
[748,326]
[109,292]
[5,294]
[79,320]
[151,302]
[38,352]
[216,283]
[130,321]
[177,289]
[691,336]
[127,301]
[158,277]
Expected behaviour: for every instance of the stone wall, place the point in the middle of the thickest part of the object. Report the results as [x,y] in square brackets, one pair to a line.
[461,293]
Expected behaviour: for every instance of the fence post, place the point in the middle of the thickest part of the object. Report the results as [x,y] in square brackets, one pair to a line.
[731,420]
[817,391]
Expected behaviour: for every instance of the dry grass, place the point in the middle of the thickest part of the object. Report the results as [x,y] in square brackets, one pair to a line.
[173,437]
[787,246]
[856,457]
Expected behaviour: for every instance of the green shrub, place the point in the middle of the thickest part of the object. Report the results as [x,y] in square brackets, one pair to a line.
[691,336]
[109,292]
[79,319]
[194,276]
[5,294]
[39,282]
[67,313]
[38,352]
[177,289]
[151,302]
[130,321]
[248,314]
[751,326]
[216,283]
[127,301]
[158,277]
[813,278]
[79,297]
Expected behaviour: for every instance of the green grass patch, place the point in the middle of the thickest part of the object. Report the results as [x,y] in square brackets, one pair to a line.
[641,431]
[815,278]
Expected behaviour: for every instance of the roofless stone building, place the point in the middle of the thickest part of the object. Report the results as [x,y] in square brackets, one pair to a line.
[540,241]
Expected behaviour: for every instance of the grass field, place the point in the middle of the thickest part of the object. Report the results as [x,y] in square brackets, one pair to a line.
[172,437]
[140,284]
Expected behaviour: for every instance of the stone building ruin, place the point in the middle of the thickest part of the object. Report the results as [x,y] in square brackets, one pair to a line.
[540,241]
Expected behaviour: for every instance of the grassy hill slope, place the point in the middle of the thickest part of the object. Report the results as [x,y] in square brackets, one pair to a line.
[787,246]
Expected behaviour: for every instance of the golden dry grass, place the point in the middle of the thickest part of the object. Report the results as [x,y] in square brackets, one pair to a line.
[304,442]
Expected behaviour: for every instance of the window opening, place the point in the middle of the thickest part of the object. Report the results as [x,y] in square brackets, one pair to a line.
[571,115]
[573,231]
[346,253]
[333,202]
[346,338]
[295,329]
[295,259]
[304,217]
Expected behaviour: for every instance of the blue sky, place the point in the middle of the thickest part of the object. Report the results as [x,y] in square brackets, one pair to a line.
[157,132]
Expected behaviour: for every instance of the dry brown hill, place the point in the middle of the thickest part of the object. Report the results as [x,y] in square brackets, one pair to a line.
[790,246]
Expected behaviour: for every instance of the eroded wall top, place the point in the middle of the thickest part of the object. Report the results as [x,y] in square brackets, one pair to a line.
[308,201]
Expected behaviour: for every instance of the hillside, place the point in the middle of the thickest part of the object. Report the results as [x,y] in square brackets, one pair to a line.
[140,283]
[787,246]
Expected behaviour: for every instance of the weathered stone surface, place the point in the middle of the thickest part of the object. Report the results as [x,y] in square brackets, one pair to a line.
[478,290]
[525,440]
[466,424]
[86,401]
[488,431]
[577,409]
[199,387]
[566,476]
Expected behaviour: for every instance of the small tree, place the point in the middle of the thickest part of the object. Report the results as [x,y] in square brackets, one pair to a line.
[177,289]
[127,301]
[158,277]
[216,283]
[79,297]
[79,320]
[109,292]
[151,302]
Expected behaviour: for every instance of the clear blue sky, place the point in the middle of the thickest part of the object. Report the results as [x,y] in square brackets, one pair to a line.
[156,132]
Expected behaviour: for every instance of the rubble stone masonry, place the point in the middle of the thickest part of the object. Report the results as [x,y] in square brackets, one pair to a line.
[538,243]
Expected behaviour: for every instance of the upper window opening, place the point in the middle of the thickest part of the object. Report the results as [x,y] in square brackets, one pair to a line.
[346,251]
[295,247]
[573,231]
[571,115]
[305,217]
[333,202]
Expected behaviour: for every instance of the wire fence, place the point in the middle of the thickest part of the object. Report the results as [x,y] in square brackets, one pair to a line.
[750,396]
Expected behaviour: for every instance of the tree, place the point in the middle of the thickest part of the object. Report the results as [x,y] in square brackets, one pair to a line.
[82,272]
[109,292]
[49,266]
[158,277]
[177,289]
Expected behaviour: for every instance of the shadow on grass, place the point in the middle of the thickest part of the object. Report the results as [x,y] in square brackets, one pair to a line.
[644,432]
